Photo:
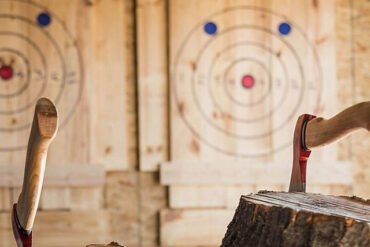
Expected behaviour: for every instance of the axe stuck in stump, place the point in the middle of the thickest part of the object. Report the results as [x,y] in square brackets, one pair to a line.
[43,130]
[296,218]
[293,218]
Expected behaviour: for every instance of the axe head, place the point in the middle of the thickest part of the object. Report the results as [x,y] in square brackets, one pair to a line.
[300,155]
[22,236]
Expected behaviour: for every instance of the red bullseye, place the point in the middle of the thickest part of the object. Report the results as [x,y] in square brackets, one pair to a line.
[248,81]
[6,72]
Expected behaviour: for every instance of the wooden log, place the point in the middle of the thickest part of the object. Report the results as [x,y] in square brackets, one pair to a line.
[299,219]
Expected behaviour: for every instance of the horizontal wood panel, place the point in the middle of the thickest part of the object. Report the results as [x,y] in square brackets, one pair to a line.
[208,196]
[186,173]
[61,229]
[56,175]
[194,227]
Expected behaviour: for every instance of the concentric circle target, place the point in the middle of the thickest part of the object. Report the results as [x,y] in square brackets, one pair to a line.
[245,81]
[39,57]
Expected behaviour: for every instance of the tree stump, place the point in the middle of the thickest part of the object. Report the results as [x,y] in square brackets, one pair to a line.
[299,219]
[112,244]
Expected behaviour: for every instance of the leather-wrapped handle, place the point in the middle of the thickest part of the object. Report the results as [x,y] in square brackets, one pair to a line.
[43,131]
[320,131]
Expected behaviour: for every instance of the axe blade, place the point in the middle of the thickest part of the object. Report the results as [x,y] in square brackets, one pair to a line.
[300,155]
[22,236]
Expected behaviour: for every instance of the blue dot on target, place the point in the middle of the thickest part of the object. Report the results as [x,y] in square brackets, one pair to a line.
[284,28]
[210,28]
[43,19]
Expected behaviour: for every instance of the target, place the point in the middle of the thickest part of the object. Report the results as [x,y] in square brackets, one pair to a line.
[39,57]
[243,75]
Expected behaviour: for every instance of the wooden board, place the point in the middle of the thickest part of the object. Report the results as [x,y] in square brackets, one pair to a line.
[193,227]
[221,196]
[80,61]
[359,41]
[210,135]
[302,219]
[56,176]
[60,229]
[152,82]
[186,173]
[190,131]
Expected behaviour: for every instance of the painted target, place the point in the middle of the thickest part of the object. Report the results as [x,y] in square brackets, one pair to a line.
[39,57]
[241,76]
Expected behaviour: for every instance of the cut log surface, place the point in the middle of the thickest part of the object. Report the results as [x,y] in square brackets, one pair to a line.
[299,219]
[112,244]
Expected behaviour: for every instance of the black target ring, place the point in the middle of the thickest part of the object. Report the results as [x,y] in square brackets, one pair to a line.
[226,80]
[44,82]
[290,116]
[282,64]
[60,55]
[64,79]
[286,75]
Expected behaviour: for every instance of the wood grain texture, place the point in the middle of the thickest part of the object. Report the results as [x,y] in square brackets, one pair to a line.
[57,175]
[108,83]
[200,173]
[320,131]
[291,219]
[43,130]
[106,54]
[208,196]
[152,79]
[360,71]
[193,227]
[5,199]
[75,229]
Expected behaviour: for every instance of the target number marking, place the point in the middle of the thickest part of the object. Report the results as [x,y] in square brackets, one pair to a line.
[245,80]
[39,57]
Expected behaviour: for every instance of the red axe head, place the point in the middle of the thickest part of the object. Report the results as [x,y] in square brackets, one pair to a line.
[22,236]
[300,155]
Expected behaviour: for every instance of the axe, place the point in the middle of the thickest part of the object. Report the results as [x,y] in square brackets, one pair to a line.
[311,132]
[43,130]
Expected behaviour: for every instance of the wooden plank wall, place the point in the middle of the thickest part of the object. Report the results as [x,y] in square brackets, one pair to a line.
[92,194]
[202,180]
[104,167]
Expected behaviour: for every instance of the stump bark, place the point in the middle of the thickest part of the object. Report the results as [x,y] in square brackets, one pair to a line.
[299,219]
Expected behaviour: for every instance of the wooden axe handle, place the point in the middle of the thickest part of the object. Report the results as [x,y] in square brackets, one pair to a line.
[44,128]
[320,131]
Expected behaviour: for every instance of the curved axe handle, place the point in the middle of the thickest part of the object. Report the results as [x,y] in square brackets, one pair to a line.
[311,132]
[43,131]
[320,131]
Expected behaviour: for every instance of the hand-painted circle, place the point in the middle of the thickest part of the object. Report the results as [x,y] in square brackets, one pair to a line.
[284,28]
[43,19]
[39,57]
[6,72]
[210,28]
[245,80]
